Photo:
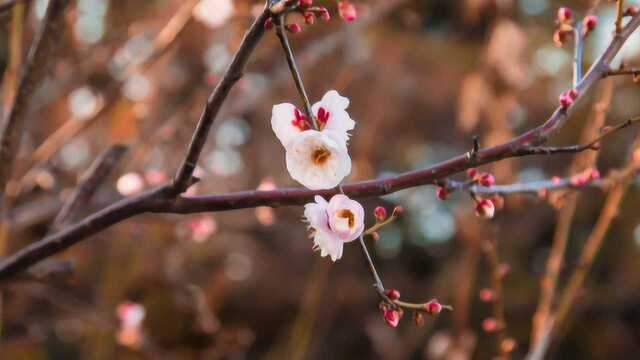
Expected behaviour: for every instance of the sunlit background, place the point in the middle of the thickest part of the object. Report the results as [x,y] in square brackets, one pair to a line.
[423,77]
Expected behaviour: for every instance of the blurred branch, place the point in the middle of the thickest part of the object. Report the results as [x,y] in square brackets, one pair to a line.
[549,281]
[232,74]
[166,199]
[632,72]
[90,182]
[490,248]
[577,54]
[8,4]
[45,42]
[589,251]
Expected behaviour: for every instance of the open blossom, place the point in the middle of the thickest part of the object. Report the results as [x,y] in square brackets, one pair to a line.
[334,223]
[318,159]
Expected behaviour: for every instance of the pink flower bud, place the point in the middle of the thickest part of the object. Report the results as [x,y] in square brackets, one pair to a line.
[590,22]
[324,13]
[594,174]
[442,193]
[565,100]
[380,213]
[489,325]
[347,10]
[391,317]
[632,10]
[392,294]
[268,23]
[486,295]
[503,269]
[485,209]
[564,14]
[487,179]
[433,307]
[306,3]
[309,18]
[293,28]
[556,180]
[472,172]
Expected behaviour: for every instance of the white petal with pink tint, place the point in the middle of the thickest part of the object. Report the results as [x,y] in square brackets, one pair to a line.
[283,117]
[335,222]
[318,160]
[338,119]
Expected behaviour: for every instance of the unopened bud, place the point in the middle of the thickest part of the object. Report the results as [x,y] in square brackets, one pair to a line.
[391,317]
[631,11]
[293,28]
[485,209]
[268,23]
[347,10]
[565,100]
[564,14]
[589,23]
[380,213]
[278,7]
[472,172]
[324,13]
[442,193]
[573,94]
[559,37]
[433,307]
[392,294]
[487,179]
[306,3]
[555,180]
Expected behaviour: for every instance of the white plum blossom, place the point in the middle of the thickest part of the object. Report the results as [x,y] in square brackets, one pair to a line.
[316,158]
[334,223]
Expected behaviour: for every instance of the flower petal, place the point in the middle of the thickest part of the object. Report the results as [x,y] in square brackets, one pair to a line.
[282,117]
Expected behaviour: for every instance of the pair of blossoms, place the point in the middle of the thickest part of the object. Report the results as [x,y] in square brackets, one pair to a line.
[317,157]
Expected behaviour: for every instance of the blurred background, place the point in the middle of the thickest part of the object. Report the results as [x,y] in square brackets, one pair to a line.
[423,77]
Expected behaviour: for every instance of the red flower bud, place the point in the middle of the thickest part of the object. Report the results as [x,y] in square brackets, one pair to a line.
[485,209]
[472,172]
[306,3]
[441,193]
[433,307]
[487,179]
[293,28]
[391,317]
[632,10]
[392,294]
[565,100]
[590,22]
[380,213]
[564,14]
[347,10]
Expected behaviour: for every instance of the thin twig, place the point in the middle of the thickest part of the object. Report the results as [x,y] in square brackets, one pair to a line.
[183,178]
[577,54]
[39,54]
[90,182]
[619,15]
[291,62]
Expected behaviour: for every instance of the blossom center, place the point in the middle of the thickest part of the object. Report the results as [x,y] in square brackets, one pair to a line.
[348,214]
[320,155]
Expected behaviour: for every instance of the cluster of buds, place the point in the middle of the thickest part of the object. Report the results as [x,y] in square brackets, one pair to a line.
[567,98]
[585,177]
[392,312]
[308,12]
[564,20]
[382,219]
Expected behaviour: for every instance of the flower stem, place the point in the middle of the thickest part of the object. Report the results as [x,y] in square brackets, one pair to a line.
[284,41]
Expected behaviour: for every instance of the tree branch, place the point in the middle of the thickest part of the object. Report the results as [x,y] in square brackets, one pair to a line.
[165,200]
